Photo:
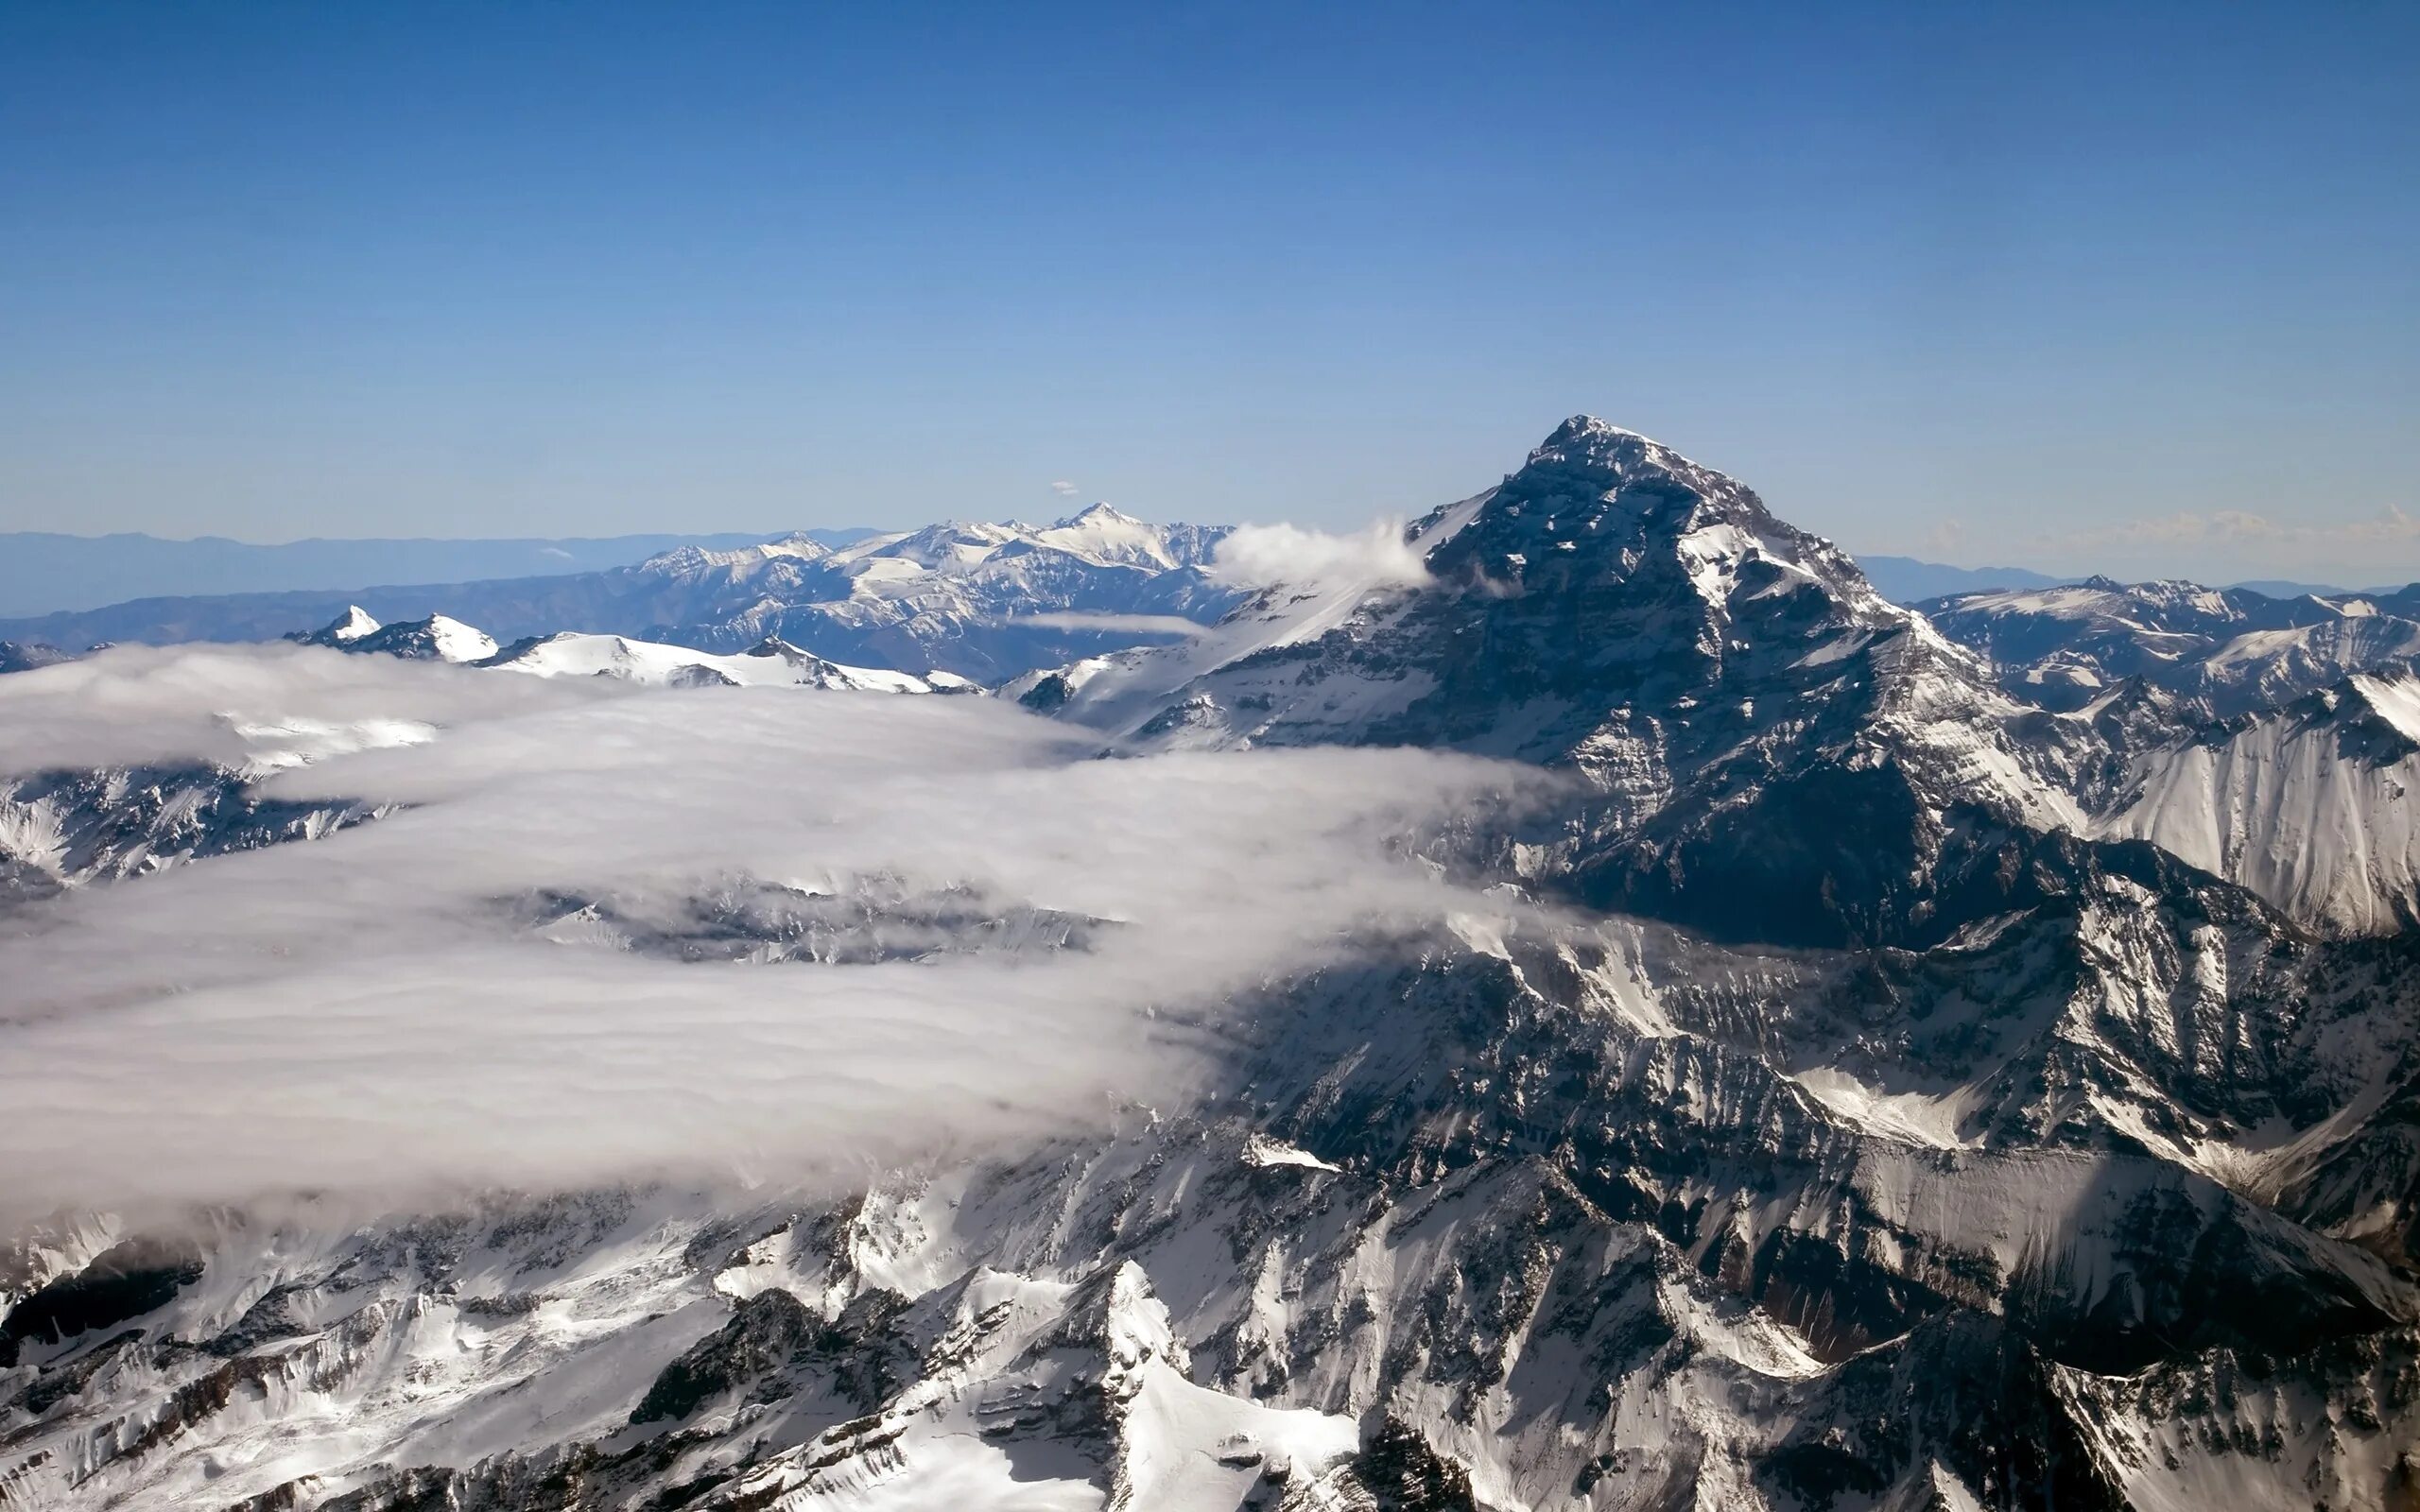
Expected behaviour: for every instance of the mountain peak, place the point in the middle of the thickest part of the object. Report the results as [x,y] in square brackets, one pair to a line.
[1106,534]
[795,543]
[1597,440]
[1593,495]
[1581,428]
[1101,514]
[347,628]
[1585,450]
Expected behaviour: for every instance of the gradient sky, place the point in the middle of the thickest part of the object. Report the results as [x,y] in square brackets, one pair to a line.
[2128,287]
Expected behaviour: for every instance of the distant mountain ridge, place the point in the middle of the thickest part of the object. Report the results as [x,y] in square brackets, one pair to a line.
[977,599]
[2236,649]
[45,572]
[1911,581]
[1908,580]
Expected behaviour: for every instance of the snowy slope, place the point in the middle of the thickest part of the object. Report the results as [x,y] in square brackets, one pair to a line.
[345,629]
[771,665]
[2264,669]
[2315,807]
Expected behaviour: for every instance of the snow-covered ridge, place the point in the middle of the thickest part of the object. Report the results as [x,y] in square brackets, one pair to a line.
[771,664]
[1100,536]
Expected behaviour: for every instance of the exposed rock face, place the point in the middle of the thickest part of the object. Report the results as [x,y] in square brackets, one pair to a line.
[63,828]
[18,656]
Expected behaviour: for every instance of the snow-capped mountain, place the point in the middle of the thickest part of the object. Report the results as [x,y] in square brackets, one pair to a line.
[1884,1088]
[1729,689]
[769,663]
[435,637]
[352,626]
[977,600]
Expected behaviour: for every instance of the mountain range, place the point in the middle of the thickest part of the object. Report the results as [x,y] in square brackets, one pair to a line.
[972,599]
[1947,1057]
[1908,580]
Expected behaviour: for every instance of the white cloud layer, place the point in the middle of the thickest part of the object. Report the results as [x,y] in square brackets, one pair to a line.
[362,1015]
[1267,556]
[1080,620]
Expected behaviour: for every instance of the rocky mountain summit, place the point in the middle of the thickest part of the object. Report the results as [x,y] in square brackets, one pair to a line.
[1901,1084]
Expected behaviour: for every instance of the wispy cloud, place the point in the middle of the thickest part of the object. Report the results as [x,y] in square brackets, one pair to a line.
[1262,556]
[1064,489]
[1077,620]
[368,1014]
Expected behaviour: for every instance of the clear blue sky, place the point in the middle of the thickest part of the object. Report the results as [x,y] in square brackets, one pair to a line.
[2060,286]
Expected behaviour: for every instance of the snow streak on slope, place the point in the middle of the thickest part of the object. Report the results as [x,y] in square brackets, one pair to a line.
[2315,807]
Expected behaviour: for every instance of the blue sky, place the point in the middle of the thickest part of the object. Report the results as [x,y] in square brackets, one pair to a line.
[2106,287]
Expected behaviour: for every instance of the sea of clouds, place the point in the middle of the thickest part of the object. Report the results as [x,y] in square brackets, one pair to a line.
[371,1015]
